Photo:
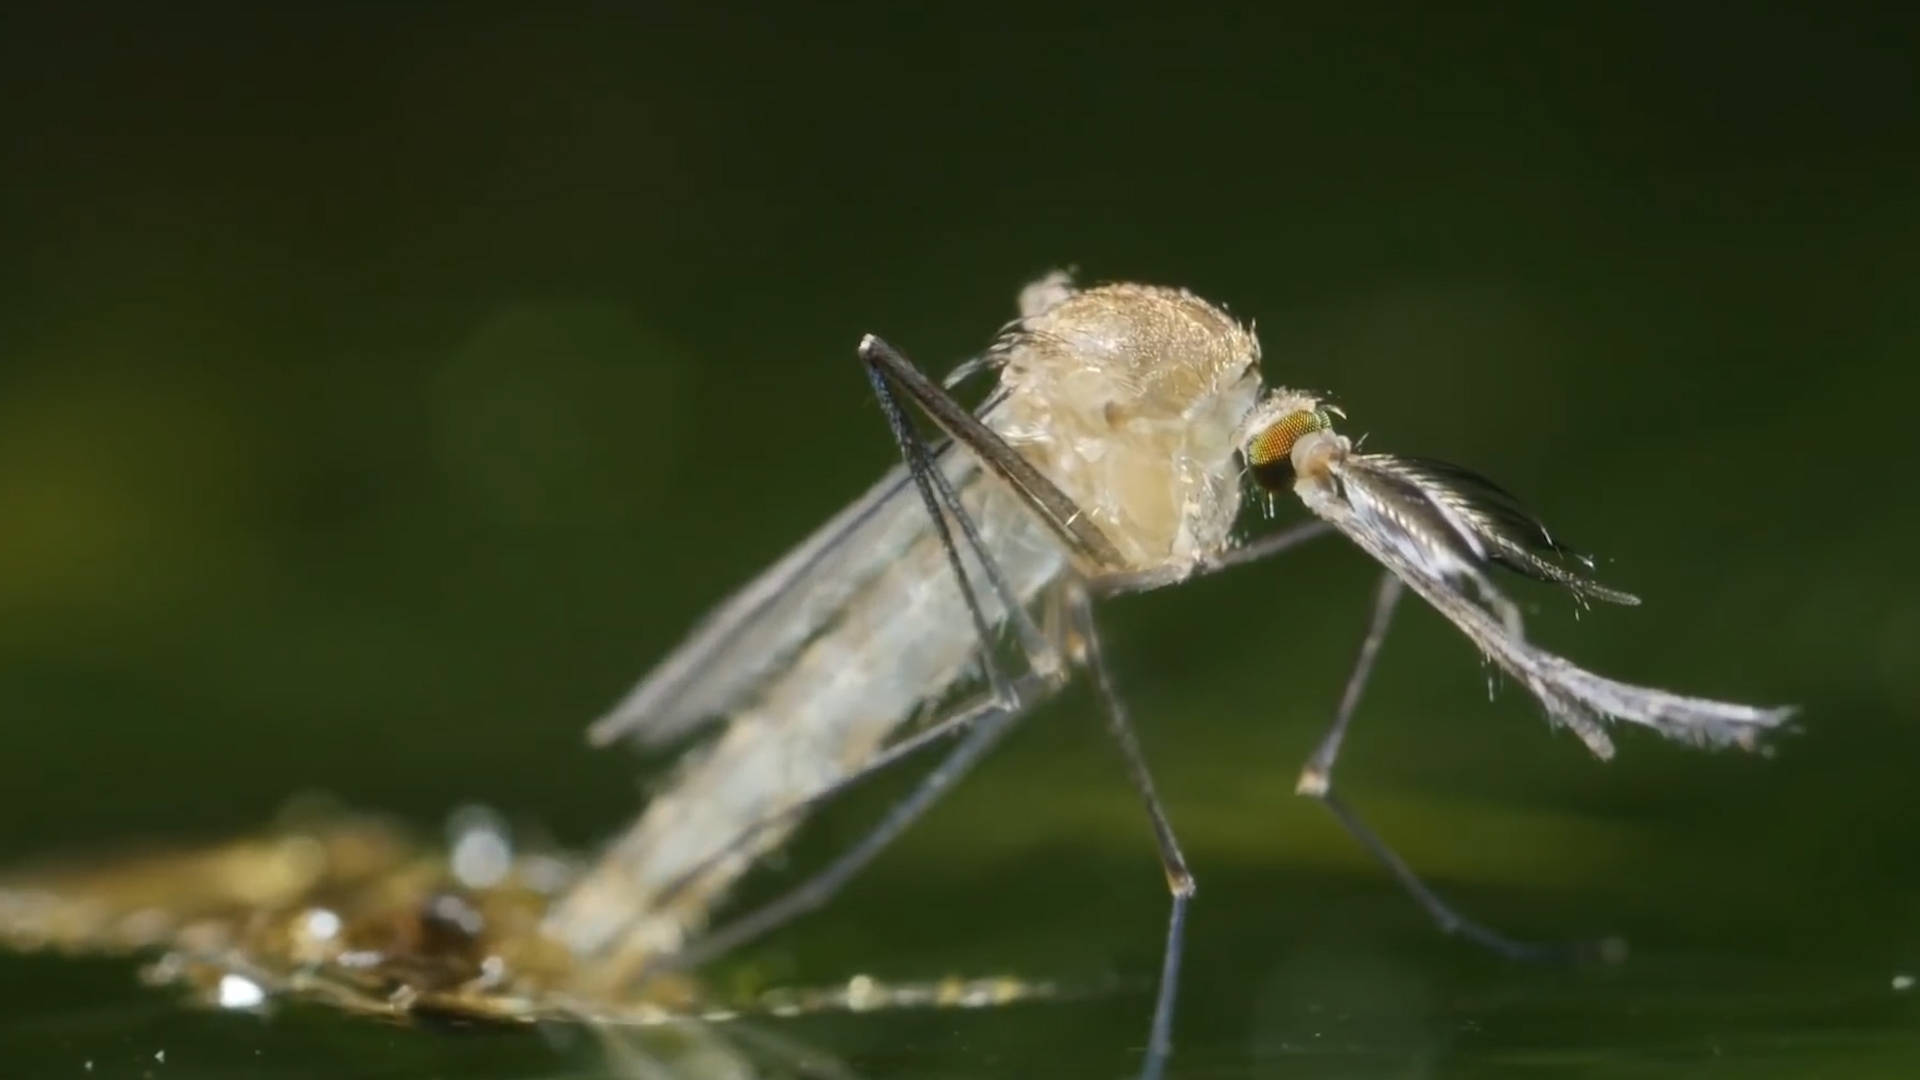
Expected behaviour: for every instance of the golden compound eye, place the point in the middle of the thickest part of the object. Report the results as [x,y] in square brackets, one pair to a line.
[1267,452]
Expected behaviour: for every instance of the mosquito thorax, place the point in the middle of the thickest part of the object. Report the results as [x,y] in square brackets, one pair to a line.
[1130,397]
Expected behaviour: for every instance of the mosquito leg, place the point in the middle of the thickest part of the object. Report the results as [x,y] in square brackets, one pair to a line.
[981,737]
[1042,657]
[887,369]
[1284,540]
[1263,548]
[1028,690]
[1316,780]
[938,496]
[1173,862]
[1040,653]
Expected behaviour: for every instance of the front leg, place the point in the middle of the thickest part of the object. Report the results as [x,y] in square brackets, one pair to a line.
[1316,781]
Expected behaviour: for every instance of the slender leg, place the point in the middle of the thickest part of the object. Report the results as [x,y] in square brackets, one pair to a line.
[816,890]
[1027,691]
[1265,547]
[1316,780]
[936,495]
[886,368]
[1173,862]
[1040,653]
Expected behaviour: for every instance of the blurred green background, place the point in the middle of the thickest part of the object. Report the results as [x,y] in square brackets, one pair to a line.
[382,388]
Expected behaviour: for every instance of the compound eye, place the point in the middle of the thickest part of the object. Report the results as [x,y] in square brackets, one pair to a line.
[1269,452]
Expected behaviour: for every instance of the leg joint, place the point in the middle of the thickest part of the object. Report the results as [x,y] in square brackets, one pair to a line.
[1182,885]
[1315,782]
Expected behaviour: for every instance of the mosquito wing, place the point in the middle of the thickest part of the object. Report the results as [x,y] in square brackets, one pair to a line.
[756,631]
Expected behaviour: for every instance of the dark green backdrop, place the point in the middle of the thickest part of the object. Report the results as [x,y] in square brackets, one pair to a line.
[382,388]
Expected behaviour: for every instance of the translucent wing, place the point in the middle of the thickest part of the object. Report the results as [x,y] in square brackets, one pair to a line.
[754,632]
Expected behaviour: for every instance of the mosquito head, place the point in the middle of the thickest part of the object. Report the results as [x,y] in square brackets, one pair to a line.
[1290,435]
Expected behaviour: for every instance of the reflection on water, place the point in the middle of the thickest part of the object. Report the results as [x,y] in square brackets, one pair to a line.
[296,941]
[353,912]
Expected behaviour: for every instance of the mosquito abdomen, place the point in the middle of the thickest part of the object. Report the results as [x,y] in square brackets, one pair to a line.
[903,640]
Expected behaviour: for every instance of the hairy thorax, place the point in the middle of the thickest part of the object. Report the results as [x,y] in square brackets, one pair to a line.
[1129,398]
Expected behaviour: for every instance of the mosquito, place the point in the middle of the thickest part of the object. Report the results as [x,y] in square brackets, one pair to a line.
[1114,452]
